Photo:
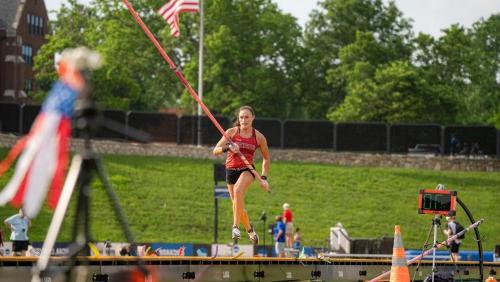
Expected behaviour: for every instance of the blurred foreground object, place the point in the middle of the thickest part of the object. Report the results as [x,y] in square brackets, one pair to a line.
[43,153]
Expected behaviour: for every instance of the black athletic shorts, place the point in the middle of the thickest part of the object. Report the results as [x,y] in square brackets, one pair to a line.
[18,246]
[232,174]
[454,247]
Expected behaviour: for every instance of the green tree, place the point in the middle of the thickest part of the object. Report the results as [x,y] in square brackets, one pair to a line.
[133,76]
[378,79]
[336,26]
[396,93]
[450,67]
[451,79]
[74,18]
[252,56]
[464,64]
[484,100]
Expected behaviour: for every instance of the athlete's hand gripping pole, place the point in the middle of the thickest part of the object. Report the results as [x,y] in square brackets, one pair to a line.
[263,183]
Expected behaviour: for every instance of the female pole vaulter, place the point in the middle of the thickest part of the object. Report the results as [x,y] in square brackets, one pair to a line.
[238,203]
[245,139]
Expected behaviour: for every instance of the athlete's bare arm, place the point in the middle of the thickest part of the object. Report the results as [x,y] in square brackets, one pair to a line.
[266,159]
[222,144]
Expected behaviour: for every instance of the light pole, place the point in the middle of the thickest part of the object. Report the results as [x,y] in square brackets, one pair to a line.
[263,217]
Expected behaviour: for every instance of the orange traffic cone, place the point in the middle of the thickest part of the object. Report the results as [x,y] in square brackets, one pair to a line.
[490,279]
[399,268]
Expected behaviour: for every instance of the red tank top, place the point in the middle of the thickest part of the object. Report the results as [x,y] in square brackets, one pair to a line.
[247,148]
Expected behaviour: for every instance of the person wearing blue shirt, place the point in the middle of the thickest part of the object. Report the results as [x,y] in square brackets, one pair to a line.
[19,224]
[279,237]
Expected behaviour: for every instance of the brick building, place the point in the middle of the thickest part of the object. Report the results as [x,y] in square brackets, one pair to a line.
[23,26]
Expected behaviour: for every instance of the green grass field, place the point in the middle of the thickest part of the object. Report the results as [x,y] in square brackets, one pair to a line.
[171,200]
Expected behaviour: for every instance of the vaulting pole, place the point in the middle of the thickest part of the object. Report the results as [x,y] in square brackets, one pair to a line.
[186,84]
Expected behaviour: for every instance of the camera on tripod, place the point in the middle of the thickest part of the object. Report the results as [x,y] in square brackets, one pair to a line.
[88,117]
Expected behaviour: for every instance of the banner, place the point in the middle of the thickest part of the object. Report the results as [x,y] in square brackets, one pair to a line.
[59,249]
[226,250]
[166,249]
[202,250]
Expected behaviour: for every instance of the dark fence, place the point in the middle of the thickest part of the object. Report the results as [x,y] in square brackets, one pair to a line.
[272,129]
[485,137]
[405,136]
[351,137]
[10,115]
[162,127]
[188,130]
[308,134]
[369,137]
[28,115]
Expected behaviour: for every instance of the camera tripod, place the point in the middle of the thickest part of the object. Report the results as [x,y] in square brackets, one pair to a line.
[436,221]
[80,174]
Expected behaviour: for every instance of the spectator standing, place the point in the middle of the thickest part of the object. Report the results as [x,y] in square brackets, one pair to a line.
[297,239]
[279,236]
[19,224]
[452,228]
[454,144]
[288,220]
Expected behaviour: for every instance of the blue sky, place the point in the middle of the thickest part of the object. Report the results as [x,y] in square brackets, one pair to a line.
[429,16]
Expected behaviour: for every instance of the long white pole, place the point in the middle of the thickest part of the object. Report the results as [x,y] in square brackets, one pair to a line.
[200,71]
[58,218]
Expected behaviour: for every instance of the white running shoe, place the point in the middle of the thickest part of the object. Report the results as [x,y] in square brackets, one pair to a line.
[253,235]
[235,234]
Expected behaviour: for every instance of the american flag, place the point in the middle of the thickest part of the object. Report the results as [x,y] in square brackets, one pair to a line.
[43,154]
[171,10]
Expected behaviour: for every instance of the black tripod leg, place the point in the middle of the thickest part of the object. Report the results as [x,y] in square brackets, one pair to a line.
[58,218]
[101,172]
[114,200]
[423,250]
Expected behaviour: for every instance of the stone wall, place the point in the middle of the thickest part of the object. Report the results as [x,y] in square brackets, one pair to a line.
[306,156]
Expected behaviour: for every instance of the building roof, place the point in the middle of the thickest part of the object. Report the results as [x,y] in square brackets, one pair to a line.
[10,13]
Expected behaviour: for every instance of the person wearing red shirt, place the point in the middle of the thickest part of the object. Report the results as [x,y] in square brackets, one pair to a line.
[244,140]
[288,219]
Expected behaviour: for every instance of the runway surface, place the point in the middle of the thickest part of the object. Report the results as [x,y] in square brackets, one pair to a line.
[239,269]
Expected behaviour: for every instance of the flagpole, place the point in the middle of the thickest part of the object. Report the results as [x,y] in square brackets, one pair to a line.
[200,73]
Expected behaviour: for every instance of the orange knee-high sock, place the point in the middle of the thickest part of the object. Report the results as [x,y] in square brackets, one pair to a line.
[242,218]
[245,220]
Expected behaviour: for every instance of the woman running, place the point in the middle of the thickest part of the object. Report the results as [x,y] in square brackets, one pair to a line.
[244,141]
